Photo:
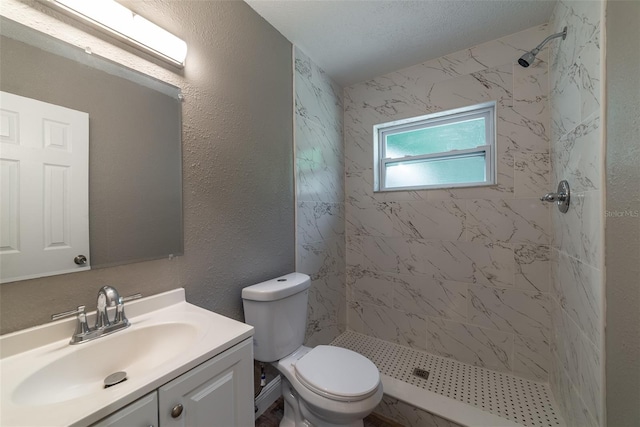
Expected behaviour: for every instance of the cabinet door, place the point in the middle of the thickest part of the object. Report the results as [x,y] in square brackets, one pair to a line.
[141,413]
[218,393]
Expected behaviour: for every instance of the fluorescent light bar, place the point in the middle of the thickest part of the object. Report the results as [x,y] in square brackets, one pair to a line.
[122,22]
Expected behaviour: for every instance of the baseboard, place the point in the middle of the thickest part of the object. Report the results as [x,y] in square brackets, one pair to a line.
[269,394]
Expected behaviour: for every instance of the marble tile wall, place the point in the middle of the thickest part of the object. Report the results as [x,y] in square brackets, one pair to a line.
[320,247]
[577,239]
[464,272]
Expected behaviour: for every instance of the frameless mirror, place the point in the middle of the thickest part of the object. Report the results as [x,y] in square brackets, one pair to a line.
[135,128]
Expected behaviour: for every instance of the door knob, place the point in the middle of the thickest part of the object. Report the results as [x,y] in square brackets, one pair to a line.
[80,260]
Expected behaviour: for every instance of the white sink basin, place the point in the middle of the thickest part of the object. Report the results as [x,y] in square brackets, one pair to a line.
[82,372]
[46,381]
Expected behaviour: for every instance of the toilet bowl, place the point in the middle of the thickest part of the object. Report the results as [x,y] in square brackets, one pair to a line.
[322,386]
[332,386]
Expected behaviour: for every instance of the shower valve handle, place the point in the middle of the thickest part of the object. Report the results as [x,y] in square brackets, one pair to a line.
[553,197]
[561,197]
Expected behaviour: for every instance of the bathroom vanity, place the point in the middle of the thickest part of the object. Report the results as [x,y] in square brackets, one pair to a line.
[210,393]
[184,366]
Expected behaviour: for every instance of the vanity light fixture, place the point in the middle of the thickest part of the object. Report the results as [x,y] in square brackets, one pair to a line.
[126,25]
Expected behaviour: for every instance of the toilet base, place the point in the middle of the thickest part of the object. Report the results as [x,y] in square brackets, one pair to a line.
[292,415]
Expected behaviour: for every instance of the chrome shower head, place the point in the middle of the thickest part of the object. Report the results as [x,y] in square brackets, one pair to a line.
[528,58]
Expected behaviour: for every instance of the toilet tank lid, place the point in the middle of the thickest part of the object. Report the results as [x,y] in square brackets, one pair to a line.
[278,288]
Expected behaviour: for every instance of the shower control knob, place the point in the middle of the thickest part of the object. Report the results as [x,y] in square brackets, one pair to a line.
[561,197]
[177,410]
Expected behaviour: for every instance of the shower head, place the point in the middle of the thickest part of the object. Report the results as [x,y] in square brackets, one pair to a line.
[527,59]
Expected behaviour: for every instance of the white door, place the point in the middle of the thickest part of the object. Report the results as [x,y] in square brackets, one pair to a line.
[44,188]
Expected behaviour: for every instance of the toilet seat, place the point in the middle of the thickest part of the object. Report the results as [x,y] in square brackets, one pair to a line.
[337,373]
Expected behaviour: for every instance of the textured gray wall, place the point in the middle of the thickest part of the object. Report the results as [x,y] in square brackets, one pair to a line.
[237,163]
[135,163]
[623,206]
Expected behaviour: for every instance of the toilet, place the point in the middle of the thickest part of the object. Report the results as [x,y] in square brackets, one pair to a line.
[322,386]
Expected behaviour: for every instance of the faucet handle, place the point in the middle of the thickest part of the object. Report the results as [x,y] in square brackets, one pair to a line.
[132,297]
[58,316]
[120,316]
[81,325]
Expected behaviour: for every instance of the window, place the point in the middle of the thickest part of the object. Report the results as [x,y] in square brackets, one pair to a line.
[454,148]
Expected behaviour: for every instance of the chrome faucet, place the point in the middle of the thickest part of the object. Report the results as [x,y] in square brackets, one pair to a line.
[108,296]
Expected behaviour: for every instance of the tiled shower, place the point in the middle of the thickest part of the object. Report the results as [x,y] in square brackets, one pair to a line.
[487,276]
[461,273]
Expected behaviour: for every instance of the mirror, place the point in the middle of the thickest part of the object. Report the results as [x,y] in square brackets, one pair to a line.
[135,128]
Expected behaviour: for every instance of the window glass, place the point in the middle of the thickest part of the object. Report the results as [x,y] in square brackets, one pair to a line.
[436,171]
[452,148]
[434,139]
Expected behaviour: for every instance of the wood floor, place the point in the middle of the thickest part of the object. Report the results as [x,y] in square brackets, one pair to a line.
[273,415]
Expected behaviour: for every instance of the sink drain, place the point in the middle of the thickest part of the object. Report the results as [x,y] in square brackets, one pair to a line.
[115,378]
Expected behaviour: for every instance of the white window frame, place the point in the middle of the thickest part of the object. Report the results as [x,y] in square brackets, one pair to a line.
[381,131]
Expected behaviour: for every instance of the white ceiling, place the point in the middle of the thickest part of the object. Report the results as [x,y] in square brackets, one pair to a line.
[355,40]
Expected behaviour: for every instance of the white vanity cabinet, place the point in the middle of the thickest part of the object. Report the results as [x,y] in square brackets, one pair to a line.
[219,392]
[141,413]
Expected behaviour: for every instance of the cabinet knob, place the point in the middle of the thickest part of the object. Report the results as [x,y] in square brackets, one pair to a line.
[177,410]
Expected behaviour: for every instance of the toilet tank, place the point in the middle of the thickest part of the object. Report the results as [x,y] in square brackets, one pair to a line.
[277,309]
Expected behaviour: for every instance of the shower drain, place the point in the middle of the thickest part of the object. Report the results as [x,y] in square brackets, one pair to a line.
[421,373]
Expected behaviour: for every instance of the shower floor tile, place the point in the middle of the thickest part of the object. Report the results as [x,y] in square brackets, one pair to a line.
[516,399]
